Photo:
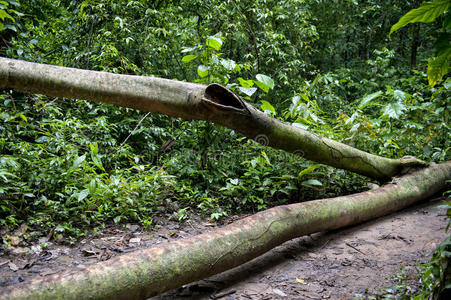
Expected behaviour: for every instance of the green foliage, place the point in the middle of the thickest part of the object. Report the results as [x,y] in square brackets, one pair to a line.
[6,11]
[264,82]
[74,165]
[439,65]
[52,168]
[426,13]
[381,112]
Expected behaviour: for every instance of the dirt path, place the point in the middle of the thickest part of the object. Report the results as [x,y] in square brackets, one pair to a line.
[335,265]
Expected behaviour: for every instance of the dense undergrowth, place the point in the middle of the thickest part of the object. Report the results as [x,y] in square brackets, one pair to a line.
[73,165]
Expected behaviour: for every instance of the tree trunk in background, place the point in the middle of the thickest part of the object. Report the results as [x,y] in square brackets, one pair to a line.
[194,101]
[148,272]
[415,45]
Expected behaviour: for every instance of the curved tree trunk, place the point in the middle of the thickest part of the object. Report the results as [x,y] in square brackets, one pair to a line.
[194,101]
[148,272]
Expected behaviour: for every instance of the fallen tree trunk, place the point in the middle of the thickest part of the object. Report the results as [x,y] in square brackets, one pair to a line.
[144,273]
[194,101]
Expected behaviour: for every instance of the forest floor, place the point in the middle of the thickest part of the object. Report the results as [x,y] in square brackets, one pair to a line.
[354,262]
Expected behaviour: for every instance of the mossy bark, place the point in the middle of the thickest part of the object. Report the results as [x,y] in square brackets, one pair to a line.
[194,101]
[144,273]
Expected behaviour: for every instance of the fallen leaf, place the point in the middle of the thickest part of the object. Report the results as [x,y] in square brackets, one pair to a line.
[208,224]
[301,281]
[279,292]
[135,240]
[36,249]
[87,252]
[15,240]
[119,243]
[13,266]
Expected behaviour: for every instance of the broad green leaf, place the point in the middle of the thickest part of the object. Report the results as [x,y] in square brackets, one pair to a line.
[312,182]
[307,170]
[189,49]
[4,15]
[95,157]
[248,91]
[188,58]
[234,181]
[4,173]
[202,70]
[399,95]
[228,64]
[245,83]
[367,100]
[305,97]
[265,156]
[262,86]
[315,118]
[96,160]
[22,116]
[295,100]
[394,110]
[121,22]
[300,125]
[94,148]
[266,106]
[82,195]
[92,186]
[10,27]
[264,82]
[426,13]
[214,42]
[438,67]
[447,84]
[15,3]
[78,162]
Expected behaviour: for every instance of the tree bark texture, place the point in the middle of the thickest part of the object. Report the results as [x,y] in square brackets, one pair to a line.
[199,102]
[148,272]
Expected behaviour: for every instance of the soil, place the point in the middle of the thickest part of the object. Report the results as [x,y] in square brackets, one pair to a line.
[349,263]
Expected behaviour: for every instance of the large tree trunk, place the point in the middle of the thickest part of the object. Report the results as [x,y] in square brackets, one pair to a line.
[194,101]
[144,273]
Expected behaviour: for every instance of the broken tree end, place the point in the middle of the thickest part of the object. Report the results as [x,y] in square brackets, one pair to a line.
[223,99]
